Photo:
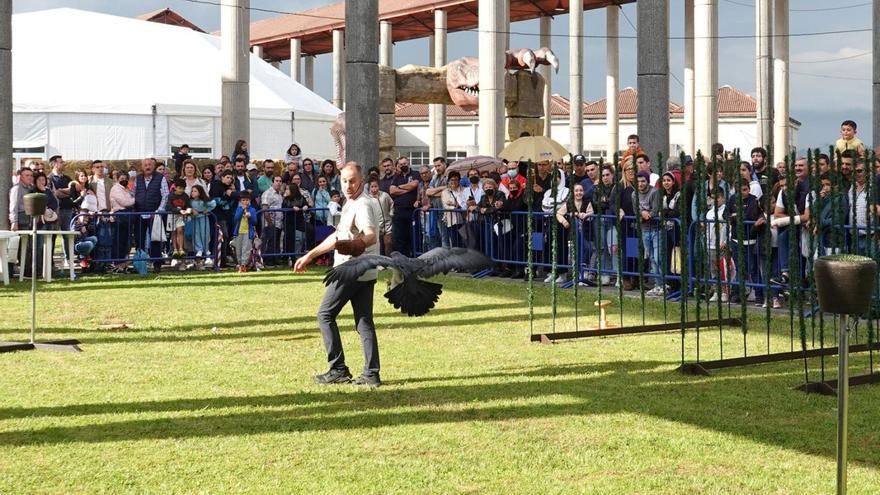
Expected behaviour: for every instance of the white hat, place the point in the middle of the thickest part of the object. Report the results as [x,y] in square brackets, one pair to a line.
[90,203]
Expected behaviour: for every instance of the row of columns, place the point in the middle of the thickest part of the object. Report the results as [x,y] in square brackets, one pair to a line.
[700,74]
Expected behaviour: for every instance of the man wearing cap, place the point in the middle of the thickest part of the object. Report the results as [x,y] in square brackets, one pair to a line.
[582,177]
[253,176]
[181,155]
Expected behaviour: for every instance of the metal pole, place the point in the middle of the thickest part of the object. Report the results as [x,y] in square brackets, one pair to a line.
[842,404]
[33,279]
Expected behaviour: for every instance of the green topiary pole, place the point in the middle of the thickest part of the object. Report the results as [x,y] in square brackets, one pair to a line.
[530,259]
[554,245]
[637,223]
[574,243]
[740,255]
[683,262]
[700,242]
[621,241]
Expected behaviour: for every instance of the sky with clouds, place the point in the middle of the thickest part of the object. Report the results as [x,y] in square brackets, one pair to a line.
[830,74]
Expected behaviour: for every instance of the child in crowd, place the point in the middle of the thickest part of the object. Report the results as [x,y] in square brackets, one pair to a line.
[84,225]
[243,233]
[848,139]
[334,208]
[201,231]
[716,242]
[178,205]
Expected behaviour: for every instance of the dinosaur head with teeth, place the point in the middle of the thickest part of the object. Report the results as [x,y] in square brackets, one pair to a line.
[463,82]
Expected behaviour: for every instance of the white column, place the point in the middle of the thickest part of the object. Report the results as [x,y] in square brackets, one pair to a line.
[491,78]
[437,113]
[764,71]
[612,86]
[338,75]
[689,102]
[295,54]
[505,25]
[706,75]
[386,44]
[309,71]
[546,71]
[235,100]
[257,50]
[780,83]
[6,165]
[575,76]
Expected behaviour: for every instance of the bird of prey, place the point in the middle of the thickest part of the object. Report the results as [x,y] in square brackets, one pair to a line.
[408,292]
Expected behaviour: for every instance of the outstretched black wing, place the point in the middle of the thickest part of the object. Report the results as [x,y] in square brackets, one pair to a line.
[444,260]
[352,269]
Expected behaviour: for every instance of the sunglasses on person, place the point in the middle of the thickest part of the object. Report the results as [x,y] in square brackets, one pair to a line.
[860,171]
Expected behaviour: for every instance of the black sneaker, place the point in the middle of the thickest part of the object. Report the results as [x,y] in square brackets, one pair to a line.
[371,381]
[334,376]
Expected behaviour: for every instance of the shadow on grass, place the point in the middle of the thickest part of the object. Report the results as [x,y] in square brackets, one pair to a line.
[787,419]
[172,333]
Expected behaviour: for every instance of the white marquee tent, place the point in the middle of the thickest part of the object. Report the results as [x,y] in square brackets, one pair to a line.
[89,85]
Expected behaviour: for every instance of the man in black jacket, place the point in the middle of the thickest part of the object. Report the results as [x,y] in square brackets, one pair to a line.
[179,157]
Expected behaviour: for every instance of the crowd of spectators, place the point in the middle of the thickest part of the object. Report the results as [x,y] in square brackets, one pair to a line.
[242,214]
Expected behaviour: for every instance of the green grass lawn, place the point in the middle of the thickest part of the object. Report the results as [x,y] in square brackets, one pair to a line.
[212,392]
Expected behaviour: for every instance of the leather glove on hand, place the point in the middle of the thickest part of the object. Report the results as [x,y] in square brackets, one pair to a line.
[354,247]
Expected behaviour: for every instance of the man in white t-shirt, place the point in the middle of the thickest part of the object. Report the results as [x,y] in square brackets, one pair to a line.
[355,235]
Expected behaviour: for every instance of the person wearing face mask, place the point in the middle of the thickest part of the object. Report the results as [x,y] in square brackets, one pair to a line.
[489,208]
[121,201]
[512,175]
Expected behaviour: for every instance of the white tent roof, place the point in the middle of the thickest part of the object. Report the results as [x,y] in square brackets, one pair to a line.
[68,60]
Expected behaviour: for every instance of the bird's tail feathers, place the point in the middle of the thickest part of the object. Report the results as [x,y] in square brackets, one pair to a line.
[414,297]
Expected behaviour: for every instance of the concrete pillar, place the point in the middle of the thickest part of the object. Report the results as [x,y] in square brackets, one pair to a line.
[653,75]
[491,78]
[505,26]
[546,71]
[612,86]
[437,113]
[295,54]
[876,66]
[706,75]
[780,83]
[309,72]
[338,99]
[689,77]
[764,70]
[362,92]
[6,166]
[257,50]
[576,76]
[386,44]
[235,106]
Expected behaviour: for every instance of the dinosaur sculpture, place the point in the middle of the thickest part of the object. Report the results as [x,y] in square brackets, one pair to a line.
[458,83]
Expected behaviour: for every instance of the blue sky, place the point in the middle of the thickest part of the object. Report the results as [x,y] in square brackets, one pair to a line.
[830,74]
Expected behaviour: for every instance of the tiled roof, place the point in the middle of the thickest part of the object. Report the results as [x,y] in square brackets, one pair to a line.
[627,105]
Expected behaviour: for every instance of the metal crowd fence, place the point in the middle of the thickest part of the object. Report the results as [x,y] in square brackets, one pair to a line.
[130,236]
[288,233]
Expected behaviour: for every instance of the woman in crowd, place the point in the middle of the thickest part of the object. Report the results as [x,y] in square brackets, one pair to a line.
[451,198]
[512,243]
[191,176]
[121,201]
[321,196]
[211,180]
[748,177]
[605,205]
[572,225]
[489,208]
[78,187]
[670,209]
[329,172]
